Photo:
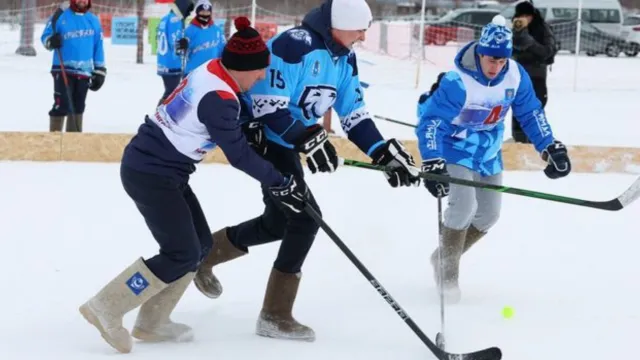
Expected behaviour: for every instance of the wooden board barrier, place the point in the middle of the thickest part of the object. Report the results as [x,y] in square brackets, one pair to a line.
[102,147]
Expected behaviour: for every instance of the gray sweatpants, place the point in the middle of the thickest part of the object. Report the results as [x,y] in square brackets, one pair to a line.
[470,206]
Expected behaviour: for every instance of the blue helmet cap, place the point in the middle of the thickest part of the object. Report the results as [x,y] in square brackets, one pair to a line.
[496,39]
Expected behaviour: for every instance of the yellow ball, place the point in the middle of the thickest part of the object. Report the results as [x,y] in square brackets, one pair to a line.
[507,312]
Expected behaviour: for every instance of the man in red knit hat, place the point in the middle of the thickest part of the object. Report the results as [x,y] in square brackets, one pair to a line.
[200,114]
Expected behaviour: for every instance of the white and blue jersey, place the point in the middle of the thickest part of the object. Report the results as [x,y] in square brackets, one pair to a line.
[170,30]
[206,42]
[463,120]
[309,74]
[82,49]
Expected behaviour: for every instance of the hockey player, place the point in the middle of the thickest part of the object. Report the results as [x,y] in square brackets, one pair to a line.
[460,133]
[77,34]
[201,113]
[170,30]
[203,40]
[313,69]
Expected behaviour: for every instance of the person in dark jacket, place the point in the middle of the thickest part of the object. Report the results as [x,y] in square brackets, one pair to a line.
[534,48]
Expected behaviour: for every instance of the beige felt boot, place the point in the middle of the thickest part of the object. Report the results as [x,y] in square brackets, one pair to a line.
[154,323]
[452,246]
[133,287]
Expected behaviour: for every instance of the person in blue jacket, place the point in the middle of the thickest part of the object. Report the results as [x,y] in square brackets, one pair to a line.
[169,61]
[203,40]
[75,35]
[460,133]
[313,69]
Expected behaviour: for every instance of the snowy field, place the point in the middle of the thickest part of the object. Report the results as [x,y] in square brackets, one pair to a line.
[573,287]
[603,110]
[570,273]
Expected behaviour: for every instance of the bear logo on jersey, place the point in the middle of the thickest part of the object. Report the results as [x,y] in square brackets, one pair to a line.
[316,100]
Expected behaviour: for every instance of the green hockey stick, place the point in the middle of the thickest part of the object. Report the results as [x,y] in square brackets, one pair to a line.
[622,201]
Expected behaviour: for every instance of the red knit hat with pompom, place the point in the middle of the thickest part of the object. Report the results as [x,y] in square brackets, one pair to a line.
[245,50]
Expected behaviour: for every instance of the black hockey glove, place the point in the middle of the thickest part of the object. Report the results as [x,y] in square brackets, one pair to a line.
[436,166]
[433,89]
[557,158]
[401,168]
[291,194]
[54,42]
[181,46]
[97,78]
[254,132]
[321,155]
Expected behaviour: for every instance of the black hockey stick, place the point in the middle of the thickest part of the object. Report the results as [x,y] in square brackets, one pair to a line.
[629,196]
[493,353]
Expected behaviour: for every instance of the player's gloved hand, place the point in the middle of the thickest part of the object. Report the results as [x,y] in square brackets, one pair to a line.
[436,166]
[254,132]
[54,42]
[402,170]
[182,45]
[557,158]
[97,78]
[321,155]
[291,194]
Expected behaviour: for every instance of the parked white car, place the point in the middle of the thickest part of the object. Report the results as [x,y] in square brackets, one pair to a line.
[631,29]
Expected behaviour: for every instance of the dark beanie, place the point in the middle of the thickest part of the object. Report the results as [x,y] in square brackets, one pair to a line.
[524,8]
[245,50]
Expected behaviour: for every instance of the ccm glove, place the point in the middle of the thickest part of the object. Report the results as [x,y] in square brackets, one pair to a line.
[181,46]
[401,168]
[436,166]
[321,155]
[97,78]
[254,132]
[557,158]
[54,42]
[291,194]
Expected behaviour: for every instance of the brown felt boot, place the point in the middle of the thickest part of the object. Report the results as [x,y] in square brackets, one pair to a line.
[55,123]
[133,287]
[275,319]
[154,323]
[74,123]
[452,246]
[221,251]
[473,235]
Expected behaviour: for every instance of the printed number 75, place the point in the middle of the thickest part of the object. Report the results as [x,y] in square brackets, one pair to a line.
[276,79]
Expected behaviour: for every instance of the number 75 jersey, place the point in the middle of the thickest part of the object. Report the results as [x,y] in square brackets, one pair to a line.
[305,80]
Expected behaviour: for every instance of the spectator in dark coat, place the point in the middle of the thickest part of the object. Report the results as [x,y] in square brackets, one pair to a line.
[534,48]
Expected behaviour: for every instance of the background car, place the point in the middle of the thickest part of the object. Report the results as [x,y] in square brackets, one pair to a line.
[593,41]
[458,25]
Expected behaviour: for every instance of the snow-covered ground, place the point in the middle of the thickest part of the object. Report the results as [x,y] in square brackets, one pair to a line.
[573,287]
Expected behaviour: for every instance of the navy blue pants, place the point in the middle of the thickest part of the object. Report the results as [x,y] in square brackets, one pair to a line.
[174,216]
[78,87]
[297,231]
[170,83]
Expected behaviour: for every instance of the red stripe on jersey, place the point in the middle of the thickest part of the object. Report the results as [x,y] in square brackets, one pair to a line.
[225,95]
[215,67]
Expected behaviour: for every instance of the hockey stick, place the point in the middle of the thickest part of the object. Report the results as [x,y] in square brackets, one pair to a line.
[440,340]
[628,196]
[493,353]
[394,121]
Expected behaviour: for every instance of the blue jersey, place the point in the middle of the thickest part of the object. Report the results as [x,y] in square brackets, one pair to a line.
[170,30]
[309,74]
[205,43]
[463,120]
[82,49]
